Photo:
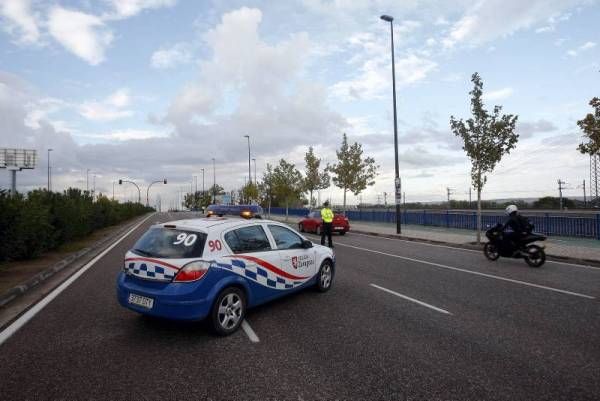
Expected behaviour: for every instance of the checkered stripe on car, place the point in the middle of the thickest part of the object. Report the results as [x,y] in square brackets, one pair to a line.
[149,270]
[255,272]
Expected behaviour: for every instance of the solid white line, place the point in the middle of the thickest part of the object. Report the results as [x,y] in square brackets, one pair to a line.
[456,248]
[412,300]
[249,332]
[510,280]
[27,316]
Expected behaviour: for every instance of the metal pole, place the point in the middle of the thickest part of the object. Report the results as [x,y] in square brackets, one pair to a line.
[584,197]
[94,190]
[249,173]
[202,182]
[255,178]
[214,191]
[397,182]
[195,184]
[87,180]
[113,197]
[49,187]
[13,182]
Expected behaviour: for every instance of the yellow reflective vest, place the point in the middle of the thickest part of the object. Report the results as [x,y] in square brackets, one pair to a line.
[327,215]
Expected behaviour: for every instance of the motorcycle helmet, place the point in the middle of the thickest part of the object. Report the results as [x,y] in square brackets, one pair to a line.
[510,209]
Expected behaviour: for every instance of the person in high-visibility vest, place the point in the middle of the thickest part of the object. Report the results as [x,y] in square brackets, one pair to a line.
[327,216]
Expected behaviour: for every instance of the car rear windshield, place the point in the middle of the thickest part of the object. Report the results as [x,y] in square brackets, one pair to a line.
[170,243]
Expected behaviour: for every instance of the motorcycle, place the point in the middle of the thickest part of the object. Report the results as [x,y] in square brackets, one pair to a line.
[534,255]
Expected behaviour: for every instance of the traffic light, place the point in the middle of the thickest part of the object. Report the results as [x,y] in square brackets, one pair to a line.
[165,180]
[120,182]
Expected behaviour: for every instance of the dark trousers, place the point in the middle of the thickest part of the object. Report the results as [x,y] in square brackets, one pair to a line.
[326,230]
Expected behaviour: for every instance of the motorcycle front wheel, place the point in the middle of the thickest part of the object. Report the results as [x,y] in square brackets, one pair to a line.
[491,251]
[535,256]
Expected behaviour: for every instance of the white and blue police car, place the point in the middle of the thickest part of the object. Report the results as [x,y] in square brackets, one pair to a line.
[218,267]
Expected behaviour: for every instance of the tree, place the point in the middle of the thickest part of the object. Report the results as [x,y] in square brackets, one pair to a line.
[314,179]
[215,190]
[551,202]
[197,200]
[287,183]
[266,186]
[352,172]
[249,192]
[590,126]
[486,137]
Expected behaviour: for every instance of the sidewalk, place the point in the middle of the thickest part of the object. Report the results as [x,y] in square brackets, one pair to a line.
[577,249]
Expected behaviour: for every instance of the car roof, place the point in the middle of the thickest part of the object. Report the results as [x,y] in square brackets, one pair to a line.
[209,223]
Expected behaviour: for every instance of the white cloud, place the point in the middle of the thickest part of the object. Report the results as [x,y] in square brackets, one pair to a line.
[168,58]
[584,47]
[498,94]
[128,135]
[375,77]
[84,35]
[249,85]
[130,8]
[488,20]
[19,17]
[110,109]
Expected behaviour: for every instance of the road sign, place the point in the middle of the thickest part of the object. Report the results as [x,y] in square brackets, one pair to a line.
[398,184]
[17,159]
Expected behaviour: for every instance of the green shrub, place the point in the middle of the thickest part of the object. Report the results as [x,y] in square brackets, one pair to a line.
[45,220]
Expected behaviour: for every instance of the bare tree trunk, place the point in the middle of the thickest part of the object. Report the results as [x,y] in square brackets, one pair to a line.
[310,201]
[478,216]
[344,201]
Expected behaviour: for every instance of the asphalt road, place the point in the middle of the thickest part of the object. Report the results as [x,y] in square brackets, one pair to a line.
[404,321]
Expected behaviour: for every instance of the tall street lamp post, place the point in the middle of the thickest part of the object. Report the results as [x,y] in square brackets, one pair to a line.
[214,183]
[249,173]
[202,182]
[255,179]
[49,187]
[397,181]
[164,181]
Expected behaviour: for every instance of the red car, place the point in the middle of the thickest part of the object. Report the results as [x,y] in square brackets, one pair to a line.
[313,223]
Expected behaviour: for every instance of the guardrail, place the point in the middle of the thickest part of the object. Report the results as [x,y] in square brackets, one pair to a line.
[547,223]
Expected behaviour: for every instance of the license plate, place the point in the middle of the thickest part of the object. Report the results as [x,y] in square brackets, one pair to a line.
[339,228]
[139,300]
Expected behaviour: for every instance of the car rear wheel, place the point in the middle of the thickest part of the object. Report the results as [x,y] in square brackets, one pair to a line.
[325,277]
[228,311]
[301,227]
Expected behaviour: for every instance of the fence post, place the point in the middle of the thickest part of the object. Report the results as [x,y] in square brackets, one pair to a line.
[405,217]
[447,219]
[424,218]
[597,226]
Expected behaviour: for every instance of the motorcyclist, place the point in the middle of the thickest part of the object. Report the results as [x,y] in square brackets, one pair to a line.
[516,226]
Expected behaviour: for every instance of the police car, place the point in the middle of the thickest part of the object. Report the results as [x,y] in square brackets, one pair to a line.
[218,267]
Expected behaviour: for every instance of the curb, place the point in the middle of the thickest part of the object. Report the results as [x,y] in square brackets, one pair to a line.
[471,246]
[44,275]
[474,247]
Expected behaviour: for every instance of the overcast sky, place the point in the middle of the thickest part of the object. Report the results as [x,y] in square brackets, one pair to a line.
[146,89]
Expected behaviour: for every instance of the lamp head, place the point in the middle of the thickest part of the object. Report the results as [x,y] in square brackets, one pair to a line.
[387,18]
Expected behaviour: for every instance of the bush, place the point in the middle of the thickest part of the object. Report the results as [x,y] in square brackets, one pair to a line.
[45,220]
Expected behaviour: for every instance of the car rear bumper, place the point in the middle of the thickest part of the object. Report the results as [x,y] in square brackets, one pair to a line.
[179,301]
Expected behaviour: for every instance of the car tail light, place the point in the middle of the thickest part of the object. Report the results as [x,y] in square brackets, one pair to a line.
[246,214]
[192,271]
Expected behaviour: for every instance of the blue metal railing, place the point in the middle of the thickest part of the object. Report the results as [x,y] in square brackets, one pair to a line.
[549,224]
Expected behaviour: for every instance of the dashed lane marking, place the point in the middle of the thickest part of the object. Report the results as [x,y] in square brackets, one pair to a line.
[435,308]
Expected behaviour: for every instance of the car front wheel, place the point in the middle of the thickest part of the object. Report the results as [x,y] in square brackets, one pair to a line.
[228,311]
[325,277]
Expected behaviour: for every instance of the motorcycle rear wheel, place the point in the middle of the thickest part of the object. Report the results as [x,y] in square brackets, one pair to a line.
[491,251]
[535,256]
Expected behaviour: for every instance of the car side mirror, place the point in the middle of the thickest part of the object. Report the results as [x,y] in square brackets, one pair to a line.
[307,244]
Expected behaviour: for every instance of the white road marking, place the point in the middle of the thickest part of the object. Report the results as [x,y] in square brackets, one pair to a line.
[435,308]
[27,316]
[492,276]
[249,332]
[456,248]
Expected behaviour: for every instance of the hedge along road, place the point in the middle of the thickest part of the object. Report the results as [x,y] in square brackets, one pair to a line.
[380,333]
